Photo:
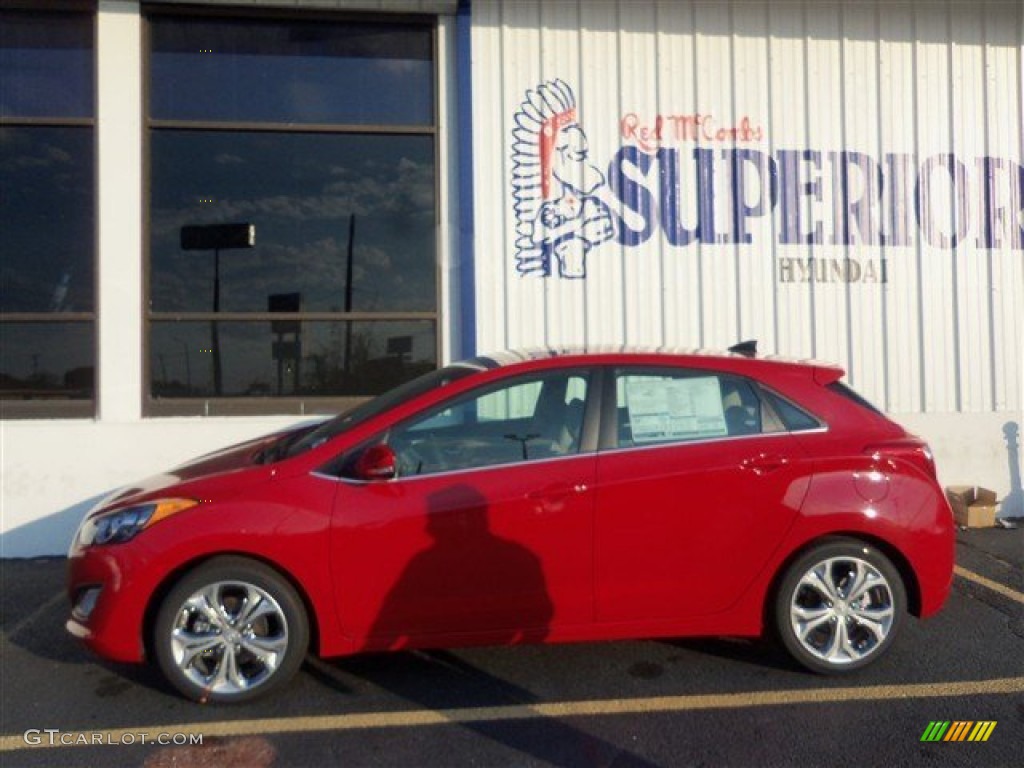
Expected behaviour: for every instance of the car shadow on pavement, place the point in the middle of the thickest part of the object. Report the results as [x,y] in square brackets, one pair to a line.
[441,680]
[501,587]
[756,652]
[33,609]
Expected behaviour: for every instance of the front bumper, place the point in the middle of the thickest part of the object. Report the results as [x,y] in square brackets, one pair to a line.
[115,578]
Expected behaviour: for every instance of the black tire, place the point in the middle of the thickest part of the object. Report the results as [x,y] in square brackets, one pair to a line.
[814,609]
[243,659]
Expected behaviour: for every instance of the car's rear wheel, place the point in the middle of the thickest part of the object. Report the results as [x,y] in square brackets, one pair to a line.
[839,606]
[230,630]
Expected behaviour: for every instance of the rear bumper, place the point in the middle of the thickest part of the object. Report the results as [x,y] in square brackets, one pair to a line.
[934,557]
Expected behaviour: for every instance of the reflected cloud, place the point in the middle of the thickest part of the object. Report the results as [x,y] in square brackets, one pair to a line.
[402,67]
[33,155]
[410,193]
[300,192]
[316,269]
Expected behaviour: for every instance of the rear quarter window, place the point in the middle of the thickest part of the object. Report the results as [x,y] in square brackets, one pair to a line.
[793,418]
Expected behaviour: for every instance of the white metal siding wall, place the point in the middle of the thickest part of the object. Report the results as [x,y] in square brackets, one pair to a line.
[919,79]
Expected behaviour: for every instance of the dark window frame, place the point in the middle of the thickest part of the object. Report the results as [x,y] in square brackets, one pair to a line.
[299,404]
[56,406]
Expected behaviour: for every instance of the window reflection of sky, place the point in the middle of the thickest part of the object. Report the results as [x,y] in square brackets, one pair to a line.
[292,72]
[299,190]
[46,66]
[47,219]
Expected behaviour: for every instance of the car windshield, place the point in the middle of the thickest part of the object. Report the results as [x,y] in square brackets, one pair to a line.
[378,405]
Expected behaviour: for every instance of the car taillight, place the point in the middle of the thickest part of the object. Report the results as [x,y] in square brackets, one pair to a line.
[916,452]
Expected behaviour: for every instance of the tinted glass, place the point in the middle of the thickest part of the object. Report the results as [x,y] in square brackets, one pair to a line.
[373,408]
[676,406]
[795,419]
[260,359]
[291,72]
[46,361]
[522,420]
[46,65]
[301,192]
[47,219]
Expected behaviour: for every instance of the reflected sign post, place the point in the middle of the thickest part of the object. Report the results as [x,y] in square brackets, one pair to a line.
[283,350]
[217,238]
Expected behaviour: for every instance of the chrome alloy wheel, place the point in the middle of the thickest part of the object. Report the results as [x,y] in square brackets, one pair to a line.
[229,637]
[842,610]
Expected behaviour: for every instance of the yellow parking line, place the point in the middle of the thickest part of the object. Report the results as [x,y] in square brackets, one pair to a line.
[995,586]
[652,705]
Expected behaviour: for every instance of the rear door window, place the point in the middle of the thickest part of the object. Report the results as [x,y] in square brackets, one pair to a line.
[655,406]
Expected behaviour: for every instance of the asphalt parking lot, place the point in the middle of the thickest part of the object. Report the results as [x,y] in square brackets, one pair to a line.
[648,703]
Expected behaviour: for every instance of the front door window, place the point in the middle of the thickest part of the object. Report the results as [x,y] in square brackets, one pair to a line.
[531,418]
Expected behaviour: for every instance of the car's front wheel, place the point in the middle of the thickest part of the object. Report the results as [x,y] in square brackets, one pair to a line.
[230,630]
[839,606]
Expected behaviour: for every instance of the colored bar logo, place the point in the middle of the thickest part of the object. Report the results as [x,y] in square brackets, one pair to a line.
[958,730]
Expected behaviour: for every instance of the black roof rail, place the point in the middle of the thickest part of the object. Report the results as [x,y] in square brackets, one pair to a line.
[746,348]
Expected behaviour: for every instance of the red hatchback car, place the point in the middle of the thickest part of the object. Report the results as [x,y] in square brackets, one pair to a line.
[528,497]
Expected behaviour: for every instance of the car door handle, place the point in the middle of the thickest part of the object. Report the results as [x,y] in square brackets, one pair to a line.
[557,491]
[764,463]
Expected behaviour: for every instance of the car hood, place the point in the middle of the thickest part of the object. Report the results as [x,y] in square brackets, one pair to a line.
[214,474]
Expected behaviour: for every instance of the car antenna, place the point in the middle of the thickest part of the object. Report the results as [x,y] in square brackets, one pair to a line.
[746,348]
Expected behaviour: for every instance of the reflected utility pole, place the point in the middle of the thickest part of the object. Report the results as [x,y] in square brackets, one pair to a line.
[217,237]
[348,294]
[188,364]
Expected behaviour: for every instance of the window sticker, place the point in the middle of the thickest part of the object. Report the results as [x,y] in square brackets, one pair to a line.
[667,409]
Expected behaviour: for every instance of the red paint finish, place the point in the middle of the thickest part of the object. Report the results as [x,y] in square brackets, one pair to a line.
[682,530]
[587,539]
[504,550]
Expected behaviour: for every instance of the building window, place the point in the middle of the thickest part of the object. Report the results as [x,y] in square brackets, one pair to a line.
[47,214]
[292,211]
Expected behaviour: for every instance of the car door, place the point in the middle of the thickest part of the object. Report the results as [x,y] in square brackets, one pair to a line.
[697,486]
[486,532]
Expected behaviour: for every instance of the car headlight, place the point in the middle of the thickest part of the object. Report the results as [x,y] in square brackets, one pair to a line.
[122,524]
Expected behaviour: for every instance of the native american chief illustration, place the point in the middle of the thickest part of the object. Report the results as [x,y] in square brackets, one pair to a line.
[560,213]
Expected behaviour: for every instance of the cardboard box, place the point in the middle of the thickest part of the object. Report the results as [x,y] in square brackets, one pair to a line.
[973,506]
[960,498]
[979,516]
[984,496]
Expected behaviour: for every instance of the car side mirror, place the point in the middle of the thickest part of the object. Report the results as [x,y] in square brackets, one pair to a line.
[377,462]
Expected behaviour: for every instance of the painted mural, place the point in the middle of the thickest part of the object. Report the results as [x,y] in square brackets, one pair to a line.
[562,199]
[691,179]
